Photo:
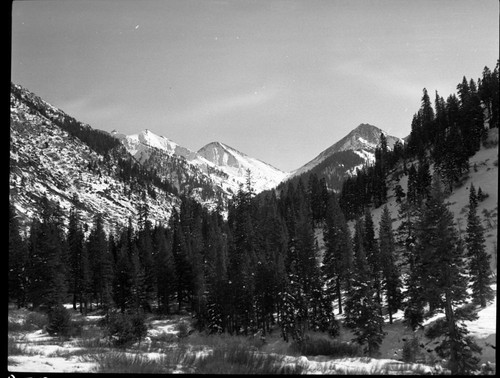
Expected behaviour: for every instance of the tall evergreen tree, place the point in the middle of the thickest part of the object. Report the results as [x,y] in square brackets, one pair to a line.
[145,248]
[391,277]
[166,279]
[101,264]
[479,264]
[18,260]
[444,283]
[361,306]
[337,259]
[373,257]
[79,274]
[183,266]
[47,262]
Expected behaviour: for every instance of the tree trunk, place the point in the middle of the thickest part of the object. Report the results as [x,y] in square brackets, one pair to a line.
[339,295]
[452,335]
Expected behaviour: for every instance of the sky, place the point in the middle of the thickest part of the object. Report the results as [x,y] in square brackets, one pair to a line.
[280,80]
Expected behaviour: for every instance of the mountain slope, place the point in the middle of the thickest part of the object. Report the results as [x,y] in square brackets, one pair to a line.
[46,160]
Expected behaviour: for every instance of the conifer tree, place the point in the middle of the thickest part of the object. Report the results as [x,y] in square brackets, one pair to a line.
[79,274]
[441,257]
[145,249]
[47,262]
[17,261]
[166,278]
[479,265]
[337,260]
[126,280]
[183,266]
[216,260]
[373,257]
[391,278]
[271,250]
[101,264]
[361,306]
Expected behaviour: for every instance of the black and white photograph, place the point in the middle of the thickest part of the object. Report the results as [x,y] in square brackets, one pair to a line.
[253,187]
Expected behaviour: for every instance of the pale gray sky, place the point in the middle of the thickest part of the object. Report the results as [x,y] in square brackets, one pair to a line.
[280,80]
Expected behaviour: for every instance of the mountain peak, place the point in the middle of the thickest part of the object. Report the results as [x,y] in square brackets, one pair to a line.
[363,137]
[363,140]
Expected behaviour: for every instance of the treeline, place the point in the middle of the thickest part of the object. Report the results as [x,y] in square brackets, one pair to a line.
[446,135]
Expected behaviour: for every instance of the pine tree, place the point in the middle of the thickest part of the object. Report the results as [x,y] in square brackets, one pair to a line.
[337,260]
[373,257]
[361,306]
[79,274]
[101,264]
[124,279]
[47,262]
[183,266]
[441,257]
[166,279]
[479,265]
[18,259]
[391,277]
[271,250]
[145,247]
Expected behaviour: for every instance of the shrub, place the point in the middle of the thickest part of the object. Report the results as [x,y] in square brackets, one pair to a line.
[59,321]
[326,347]
[13,326]
[243,361]
[411,350]
[183,329]
[120,362]
[125,329]
[37,319]
[164,338]
[14,349]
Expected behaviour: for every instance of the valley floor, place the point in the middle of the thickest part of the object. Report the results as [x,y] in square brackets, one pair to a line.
[164,352]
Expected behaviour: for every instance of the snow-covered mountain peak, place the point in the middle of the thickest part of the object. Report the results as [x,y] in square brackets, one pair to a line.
[222,155]
[236,164]
[362,141]
[364,137]
[139,145]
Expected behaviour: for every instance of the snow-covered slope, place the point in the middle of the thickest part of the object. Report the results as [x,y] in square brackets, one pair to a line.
[483,173]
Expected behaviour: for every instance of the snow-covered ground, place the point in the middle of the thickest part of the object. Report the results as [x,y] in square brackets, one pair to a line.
[483,173]
[44,353]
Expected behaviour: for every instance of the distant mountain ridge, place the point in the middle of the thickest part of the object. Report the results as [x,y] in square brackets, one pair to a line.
[54,154]
[224,165]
